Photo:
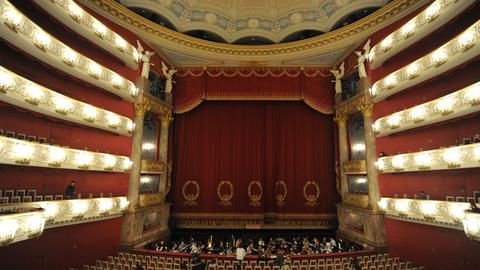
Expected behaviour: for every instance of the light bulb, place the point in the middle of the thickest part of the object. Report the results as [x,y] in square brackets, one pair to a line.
[387,43]
[42,40]
[432,11]
[359,147]
[34,94]
[393,121]
[402,205]
[62,104]
[452,157]
[398,162]
[69,56]
[428,208]
[472,94]
[23,153]
[113,120]
[75,11]
[126,164]
[7,82]
[148,146]
[56,156]
[120,43]
[94,70]
[408,29]
[412,71]
[467,39]
[116,80]
[145,179]
[12,18]
[361,180]
[89,113]
[423,160]
[390,81]
[383,204]
[83,159]
[109,161]
[439,57]
[99,29]
[445,105]
[418,113]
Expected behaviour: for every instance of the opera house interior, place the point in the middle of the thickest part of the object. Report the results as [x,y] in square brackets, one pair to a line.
[240,134]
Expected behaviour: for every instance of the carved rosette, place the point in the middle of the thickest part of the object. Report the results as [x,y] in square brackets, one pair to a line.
[255,198]
[355,166]
[357,200]
[280,197]
[225,198]
[190,198]
[152,166]
[311,198]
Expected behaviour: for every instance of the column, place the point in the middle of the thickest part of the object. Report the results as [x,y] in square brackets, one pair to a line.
[142,105]
[366,107]
[341,118]
[165,118]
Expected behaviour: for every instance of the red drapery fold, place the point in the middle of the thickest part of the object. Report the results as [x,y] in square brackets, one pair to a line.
[313,86]
[254,157]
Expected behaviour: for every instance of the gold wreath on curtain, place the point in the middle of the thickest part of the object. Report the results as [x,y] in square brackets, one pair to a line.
[281,197]
[311,199]
[190,198]
[255,198]
[225,198]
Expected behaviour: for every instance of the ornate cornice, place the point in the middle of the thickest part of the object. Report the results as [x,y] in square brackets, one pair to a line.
[355,166]
[357,200]
[150,199]
[152,166]
[166,38]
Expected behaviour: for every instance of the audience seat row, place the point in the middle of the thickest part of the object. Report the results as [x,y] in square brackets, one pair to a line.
[25,196]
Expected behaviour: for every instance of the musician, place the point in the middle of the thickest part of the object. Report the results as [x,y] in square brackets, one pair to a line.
[251,249]
[261,243]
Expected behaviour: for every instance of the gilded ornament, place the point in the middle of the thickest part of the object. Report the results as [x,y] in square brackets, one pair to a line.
[281,196]
[357,200]
[225,198]
[365,107]
[190,198]
[311,199]
[149,199]
[152,166]
[255,198]
[142,107]
[355,166]
[166,118]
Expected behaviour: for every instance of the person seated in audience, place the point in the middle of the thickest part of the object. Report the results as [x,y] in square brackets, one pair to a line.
[70,190]
[355,264]
[139,267]
[422,195]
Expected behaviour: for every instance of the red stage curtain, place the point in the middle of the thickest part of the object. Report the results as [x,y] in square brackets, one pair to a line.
[247,141]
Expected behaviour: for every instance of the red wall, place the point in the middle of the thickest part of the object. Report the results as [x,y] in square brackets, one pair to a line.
[433,247]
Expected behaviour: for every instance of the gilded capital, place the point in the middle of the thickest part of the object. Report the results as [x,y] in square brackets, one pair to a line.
[142,107]
[365,107]
[166,118]
[341,117]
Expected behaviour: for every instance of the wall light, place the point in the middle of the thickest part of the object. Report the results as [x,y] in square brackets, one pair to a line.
[398,163]
[105,205]
[42,40]
[471,225]
[145,179]
[94,70]
[89,113]
[148,146]
[69,57]
[34,225]
[51,210]
[62,104]
[12,18]
[428,208]
[423,160]
[112,120]
[402,206]
[78,207]
[116,81]
[23,153]
[412,71]
[34,94]
[472,95]
[83,160]
[359,147]
[476,152]
[75,11]
[387,43]
[439,57]
[390,81]
[126,164]
[7,83]
[109,162]
[56,156]
[120,43]
[452,157]
[380,164]
[133,91]
[393,121]
[99,29]
[457,211]
[445,105]
[8,229]
[418,114]
[408,29]
[466,40]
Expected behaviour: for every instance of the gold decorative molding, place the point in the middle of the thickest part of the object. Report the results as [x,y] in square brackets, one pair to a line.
[190,198]
[150,199]
[142,107]
[225,198]
[152,166]
[248,220]
[280,197]
[174,40]
[355,166]
[166,118]
[357,200]
[255,198]
[311,199]
[365,106]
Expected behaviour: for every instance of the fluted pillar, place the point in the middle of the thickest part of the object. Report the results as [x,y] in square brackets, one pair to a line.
[165,120]
[341,118]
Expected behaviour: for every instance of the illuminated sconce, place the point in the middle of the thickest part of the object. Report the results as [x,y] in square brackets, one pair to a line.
[439,57]
[423,160]
[34,94]
[361,180]
[130,127]
[408,29]
[418,113]
[445,105]
[398,163]
[123,203]
[23,153]
[83,160]
[145,179]
[75,11]
[148,146]
[383,204]
[8,229]
[457,211]
[466,40]
[133,90]
[126,164]
[472,94]
[471,225]
[42,40]
[393,121]
[432,12]
[62,105]
[99,29]
[476,153]
[51,210]
[109,162]
[402,207]
[7,82]
[117,81]
[359,147]
[371,56]
[412,71]
[452,157]
[89,113]
[112,120]
[387,43]
[136,56]
[429,209]
[373,90]
[69,57]
[390,81]
[376,127]
[94,70]
[78,207]
[380,164]
[120,43]
[34,225]
[12,18]
[104,205]
[56,156]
